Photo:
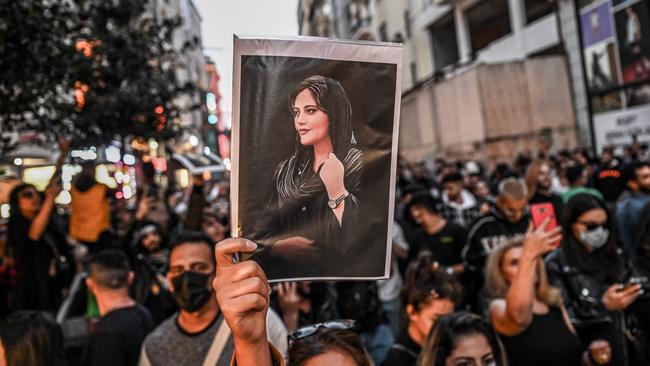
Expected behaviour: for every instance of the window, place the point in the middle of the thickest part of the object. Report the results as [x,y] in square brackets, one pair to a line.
[536,9]
[444,43]
[407,23]
[488,21]
[383,33]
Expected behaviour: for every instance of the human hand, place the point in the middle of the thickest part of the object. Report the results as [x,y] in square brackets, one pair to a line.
[295,246]
[288,297]
[617,297]
[144,207]
[332,173]
[53,190]
[600,351]
[538,242]
[242,292]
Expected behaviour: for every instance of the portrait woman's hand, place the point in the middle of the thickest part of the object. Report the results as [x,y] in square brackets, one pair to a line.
[332,173]
[297,247]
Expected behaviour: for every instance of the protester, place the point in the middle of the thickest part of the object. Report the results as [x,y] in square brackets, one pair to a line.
[427,294]
[578,178]
[607,179]
[359,301]
[460,206]
[539,181]
[150,264]
[389,290]
[304,303]
[443,239]
[341,347]
[30,338]
[124,324]
[527,312]
[590,271]
[197,333]
[508,220]
[40,251]
[90,220]
[462,339]
[628,209]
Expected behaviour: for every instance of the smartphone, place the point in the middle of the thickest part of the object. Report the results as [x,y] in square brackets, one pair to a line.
[542,211]
[635,281]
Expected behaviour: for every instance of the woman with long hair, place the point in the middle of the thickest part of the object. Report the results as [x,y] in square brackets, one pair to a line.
[590,271]
[39,250]
[527,312]
[315,205]
[462,338]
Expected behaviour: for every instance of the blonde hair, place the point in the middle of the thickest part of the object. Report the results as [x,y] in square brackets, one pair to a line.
[497,286]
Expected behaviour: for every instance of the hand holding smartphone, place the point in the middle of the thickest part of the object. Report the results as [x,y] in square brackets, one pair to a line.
[542,211]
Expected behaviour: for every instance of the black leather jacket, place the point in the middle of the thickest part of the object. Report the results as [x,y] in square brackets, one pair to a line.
[581,292]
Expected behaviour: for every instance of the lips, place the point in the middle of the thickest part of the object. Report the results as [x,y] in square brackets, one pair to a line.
[303,131]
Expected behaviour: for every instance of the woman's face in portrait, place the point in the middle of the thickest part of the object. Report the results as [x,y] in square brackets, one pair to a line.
[471,350]
[29,202]
[311,123]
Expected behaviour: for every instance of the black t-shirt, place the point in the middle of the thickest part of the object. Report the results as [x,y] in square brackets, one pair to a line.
[609,182]
[404,352]
[118,337]
[553,199]
[446,245]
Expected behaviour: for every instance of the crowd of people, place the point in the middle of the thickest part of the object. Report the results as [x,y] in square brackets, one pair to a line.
[475,280]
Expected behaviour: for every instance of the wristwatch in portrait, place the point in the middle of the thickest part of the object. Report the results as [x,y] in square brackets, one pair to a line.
[336,202]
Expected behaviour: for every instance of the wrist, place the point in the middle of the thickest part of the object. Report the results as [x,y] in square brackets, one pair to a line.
[336,192]
[255,352]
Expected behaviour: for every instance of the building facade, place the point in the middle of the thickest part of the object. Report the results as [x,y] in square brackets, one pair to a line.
[481,78]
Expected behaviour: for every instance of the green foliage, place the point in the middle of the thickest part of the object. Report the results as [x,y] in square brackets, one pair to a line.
[116,51]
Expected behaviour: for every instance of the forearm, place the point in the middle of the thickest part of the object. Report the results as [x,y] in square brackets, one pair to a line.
[253,354]
[521,294]
[39,223]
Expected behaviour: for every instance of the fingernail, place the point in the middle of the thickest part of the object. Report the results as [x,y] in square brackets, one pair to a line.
[250,244]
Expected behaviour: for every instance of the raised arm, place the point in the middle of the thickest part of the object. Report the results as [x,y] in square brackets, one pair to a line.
[513,315]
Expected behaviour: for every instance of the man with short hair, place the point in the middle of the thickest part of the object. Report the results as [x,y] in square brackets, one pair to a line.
[539,182]
[628,209]
[197,334]
[123,324]
[508,220]
[460,206]
[578,178]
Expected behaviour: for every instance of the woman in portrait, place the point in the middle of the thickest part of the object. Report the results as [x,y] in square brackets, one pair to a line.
[314,209]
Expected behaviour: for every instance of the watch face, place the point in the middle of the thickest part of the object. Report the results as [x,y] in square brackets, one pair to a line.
[331,203]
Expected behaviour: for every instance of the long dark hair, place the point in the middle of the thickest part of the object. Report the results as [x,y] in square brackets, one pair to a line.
[331,99]
[602,259]
[16,219]
[344,341]
[32,338]
[445,334]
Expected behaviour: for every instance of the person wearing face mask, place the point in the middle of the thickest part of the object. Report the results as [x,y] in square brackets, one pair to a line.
[197,334]
[590,271]
[123,325]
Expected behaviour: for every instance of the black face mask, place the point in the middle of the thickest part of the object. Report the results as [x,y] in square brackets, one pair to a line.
[192,290]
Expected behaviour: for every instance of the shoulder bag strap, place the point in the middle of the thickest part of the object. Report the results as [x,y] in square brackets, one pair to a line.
[218,344]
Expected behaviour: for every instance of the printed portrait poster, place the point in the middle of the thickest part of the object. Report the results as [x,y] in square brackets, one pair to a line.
[315,125]
[633,33]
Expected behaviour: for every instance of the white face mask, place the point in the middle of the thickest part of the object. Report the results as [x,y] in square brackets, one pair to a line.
[595,238]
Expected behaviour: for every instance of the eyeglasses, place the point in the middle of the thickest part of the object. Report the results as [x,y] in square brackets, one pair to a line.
[309,330]
[593,225]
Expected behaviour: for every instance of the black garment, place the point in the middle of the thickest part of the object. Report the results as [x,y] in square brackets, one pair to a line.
[37,287]
[322,296]
[582,293]
[404,352]
[118,337]
[149,288]
[489,232]
[553,199]
[445,245]
[300,208]
[546,341]
[607,179]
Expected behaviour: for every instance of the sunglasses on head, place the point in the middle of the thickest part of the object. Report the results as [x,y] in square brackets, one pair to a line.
[309,330]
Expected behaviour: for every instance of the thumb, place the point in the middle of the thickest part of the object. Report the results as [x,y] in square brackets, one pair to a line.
[226,250]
